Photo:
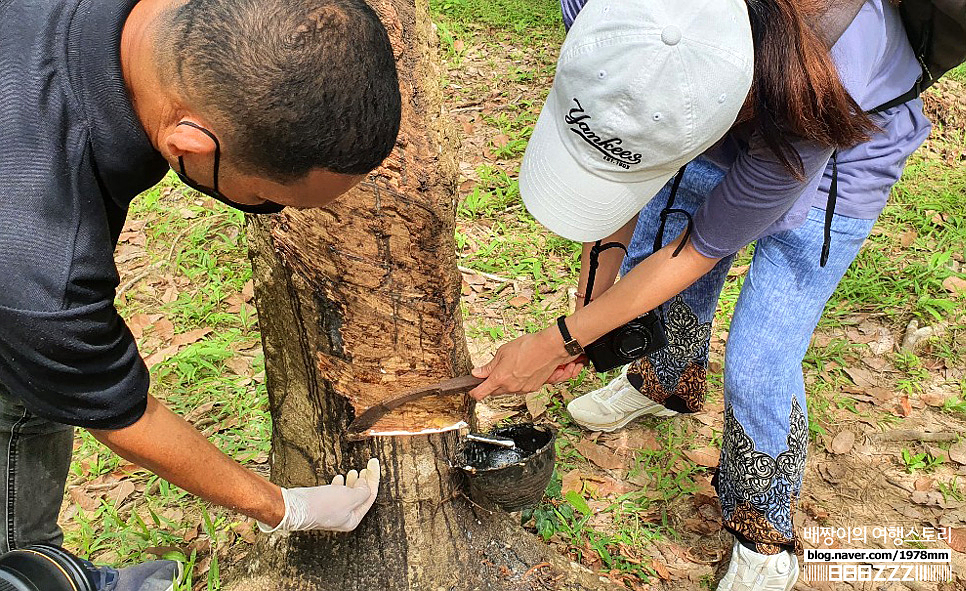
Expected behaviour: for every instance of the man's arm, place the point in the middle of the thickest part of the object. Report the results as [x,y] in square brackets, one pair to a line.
[169,446]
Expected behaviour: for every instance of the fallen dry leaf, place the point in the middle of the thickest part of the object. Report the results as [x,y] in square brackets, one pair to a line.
[956,285]
[536,403]
[187,338]
[957,453]
[120,492]
[600,455]
[629,441]
[500,140]
[606,487]
[925,484]
[83,500]
[139,322]
[957,539]
[705,456]
[861,377]
[519,301]
[661,569]
[842,443]
[572,481]
[904,408]
[161,356]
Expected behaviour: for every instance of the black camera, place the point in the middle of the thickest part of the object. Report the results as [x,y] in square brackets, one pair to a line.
[44,567]
[624,344]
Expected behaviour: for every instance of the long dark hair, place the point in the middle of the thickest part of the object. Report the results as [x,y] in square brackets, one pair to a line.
[796,90]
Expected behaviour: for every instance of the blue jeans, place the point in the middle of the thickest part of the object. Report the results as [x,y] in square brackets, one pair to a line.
[766,427]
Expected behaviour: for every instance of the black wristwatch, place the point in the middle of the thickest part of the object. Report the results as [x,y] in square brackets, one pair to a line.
[570,343]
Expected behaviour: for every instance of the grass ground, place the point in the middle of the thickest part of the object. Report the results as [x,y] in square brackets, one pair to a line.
[636,506]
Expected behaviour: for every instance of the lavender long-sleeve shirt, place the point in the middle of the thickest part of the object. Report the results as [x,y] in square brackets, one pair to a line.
[758,196]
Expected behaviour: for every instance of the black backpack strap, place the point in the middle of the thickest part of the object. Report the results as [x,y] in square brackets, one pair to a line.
[919,28]
[912,94]
[833,193]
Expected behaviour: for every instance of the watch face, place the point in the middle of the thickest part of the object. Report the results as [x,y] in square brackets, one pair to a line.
[573,347]
[632,343]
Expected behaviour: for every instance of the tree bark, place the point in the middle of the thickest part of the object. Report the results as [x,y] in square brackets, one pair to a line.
[358,303]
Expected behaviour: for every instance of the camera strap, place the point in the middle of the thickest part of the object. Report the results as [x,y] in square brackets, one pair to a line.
[658,240]
[594,262]
[668,210]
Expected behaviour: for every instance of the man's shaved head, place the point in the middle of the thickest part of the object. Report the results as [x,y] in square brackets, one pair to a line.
[293,85]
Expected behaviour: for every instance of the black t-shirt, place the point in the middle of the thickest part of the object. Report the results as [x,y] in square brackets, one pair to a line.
[72,156]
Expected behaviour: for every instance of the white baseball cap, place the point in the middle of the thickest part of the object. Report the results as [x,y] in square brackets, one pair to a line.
[642,88]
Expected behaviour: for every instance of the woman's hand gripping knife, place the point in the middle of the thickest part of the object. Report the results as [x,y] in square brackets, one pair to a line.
[527,363]
[339,506]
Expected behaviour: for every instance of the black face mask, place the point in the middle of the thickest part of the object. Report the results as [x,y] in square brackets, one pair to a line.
[213,192]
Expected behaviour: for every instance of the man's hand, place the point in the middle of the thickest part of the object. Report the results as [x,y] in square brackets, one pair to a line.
[339,506]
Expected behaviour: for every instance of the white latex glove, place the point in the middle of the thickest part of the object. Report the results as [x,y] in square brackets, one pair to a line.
[339,506]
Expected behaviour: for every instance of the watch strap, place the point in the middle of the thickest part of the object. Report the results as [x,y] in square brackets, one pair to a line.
[570,344]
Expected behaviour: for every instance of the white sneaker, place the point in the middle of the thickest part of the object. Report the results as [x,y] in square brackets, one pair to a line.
[613,406]
[750,571]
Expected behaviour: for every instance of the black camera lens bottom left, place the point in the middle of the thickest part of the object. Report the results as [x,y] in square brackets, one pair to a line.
[43,567]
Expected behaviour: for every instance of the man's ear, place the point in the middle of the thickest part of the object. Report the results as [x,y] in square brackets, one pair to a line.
[185,140]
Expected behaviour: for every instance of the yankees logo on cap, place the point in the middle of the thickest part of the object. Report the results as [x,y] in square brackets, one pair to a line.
[642,88]
[612,149]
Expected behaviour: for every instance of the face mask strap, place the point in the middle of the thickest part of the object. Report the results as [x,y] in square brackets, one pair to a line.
[213,192]
[214,174]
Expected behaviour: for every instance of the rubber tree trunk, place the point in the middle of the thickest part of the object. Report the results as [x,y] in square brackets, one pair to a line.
[360,302]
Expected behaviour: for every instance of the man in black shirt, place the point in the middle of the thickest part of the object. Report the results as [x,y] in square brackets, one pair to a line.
[260,105]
